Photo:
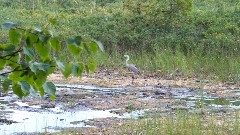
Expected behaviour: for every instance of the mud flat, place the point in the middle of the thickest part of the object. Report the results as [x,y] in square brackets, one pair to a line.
[106,99]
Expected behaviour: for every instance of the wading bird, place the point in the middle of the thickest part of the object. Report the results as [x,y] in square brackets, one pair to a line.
[131,67]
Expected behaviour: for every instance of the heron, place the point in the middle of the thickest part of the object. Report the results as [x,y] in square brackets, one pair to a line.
[131,67]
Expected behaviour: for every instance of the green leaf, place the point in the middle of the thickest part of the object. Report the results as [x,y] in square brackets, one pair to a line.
[100,45]
[55,43]
[92,67]
[68,70]
[60,64]
[50,88]
[86,47]
[74,45]
[44,38]
[77,69]
[74,49]
[42,66]
[40,78]
[39,66]
[75,41]
[43,50]
[24,74]
[33,92]
[17,90]
[2,63]
[33,67]
[25,87]
[15,76]
[94,47]
[12,61]
[7,48]
[91,60]
[41,90]
[52,67]
[6,83]
[24,64]
[9,25]
[87,68]
[28,52]
[15,36]
[31,39]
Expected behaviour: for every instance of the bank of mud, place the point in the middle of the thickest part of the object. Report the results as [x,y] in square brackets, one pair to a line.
[116,78]
[113,95]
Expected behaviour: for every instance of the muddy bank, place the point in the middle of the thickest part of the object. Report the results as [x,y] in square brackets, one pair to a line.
[115,78]
[96,102]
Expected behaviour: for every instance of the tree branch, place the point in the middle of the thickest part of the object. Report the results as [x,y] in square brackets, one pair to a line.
[15,70]
[13,54]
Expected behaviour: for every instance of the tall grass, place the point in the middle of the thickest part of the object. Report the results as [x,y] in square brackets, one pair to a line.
[169,64]
[176,123]
[182,123]
[203,43]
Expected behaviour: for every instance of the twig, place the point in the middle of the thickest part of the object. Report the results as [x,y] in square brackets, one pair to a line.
[15,70]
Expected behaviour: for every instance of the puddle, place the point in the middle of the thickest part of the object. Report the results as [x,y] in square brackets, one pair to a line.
[199,98]
[213,102]
[20,117]
[54,119]
[74,106]
[87,87]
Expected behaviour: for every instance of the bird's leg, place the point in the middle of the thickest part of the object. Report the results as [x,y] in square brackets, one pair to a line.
[41,102]
[132,79]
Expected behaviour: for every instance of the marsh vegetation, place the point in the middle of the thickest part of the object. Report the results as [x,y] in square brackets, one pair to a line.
[173,40]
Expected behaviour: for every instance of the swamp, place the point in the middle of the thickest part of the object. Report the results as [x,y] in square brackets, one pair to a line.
[106,67]
[107,105]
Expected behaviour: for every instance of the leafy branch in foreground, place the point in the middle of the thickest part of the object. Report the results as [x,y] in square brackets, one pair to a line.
[26,60]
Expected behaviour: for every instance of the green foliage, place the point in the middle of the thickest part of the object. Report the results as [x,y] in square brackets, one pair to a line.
[50,88]
[55,42]
[67,70]
[203,35]
[74,45]
[29,60]
[5,84]
[15,36]
[18,91]
[77,69]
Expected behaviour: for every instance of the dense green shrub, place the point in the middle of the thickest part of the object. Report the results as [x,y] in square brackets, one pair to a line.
[205,31]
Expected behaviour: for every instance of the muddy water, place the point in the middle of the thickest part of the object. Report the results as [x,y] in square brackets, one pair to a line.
[75,105]
[52,120]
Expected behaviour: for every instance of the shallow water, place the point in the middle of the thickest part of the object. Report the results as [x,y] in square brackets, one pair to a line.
[23,118]
[53,119]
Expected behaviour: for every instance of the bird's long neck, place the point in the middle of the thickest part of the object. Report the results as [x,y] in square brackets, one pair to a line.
[127,60]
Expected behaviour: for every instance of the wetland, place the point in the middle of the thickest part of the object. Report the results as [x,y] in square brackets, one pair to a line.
[106,100]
